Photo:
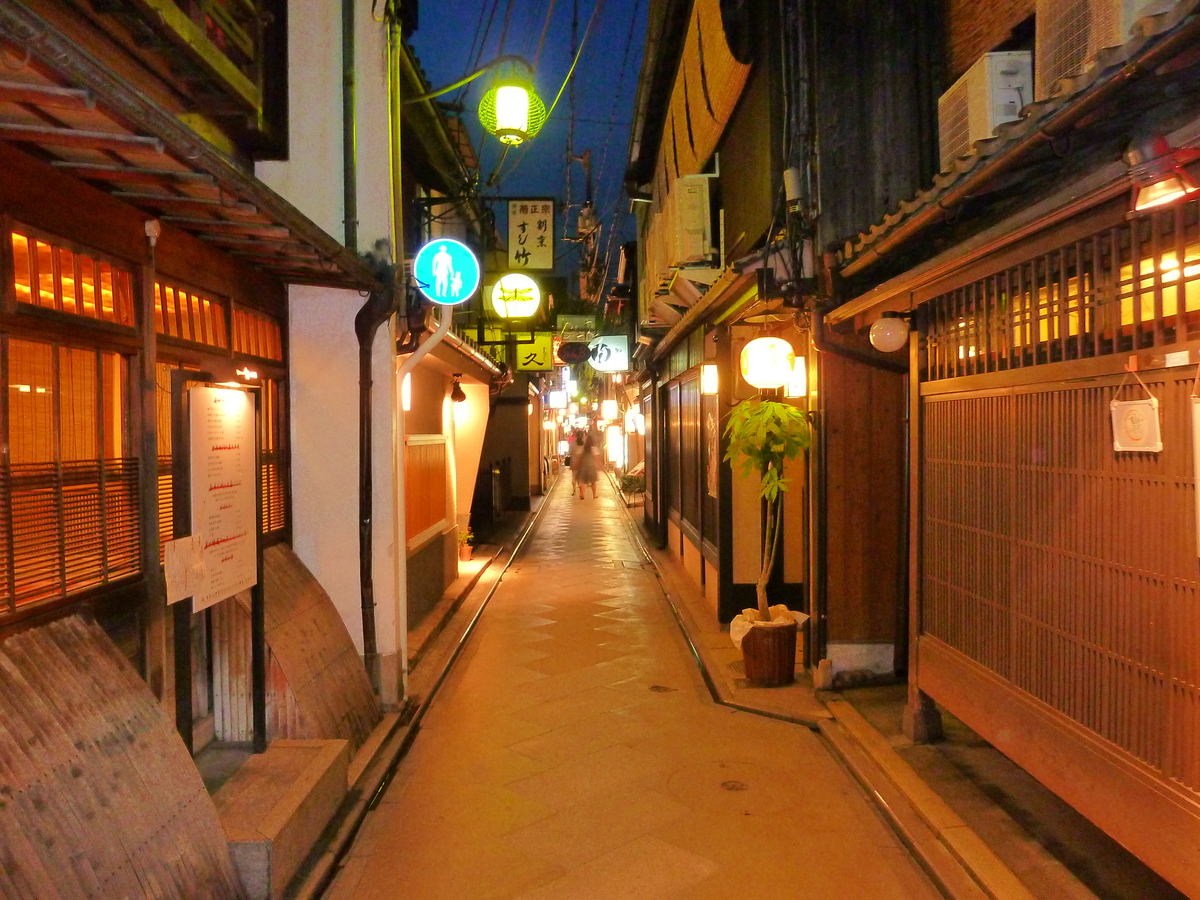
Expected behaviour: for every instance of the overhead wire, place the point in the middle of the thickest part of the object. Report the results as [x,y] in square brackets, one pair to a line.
[617,96]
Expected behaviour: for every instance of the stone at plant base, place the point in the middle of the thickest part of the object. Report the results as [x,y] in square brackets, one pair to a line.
[748,618]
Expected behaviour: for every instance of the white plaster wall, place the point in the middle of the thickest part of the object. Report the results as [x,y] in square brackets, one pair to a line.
[324,435]
[311,178]
[371,129]
[470,418]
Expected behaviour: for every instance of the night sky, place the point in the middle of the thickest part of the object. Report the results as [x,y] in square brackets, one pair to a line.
[604,96]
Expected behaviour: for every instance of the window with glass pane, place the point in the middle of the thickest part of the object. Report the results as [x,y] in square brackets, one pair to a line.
[273,457]
[69,489]
[56,278]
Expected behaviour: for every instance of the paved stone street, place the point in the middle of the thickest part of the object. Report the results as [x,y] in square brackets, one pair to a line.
[575,753]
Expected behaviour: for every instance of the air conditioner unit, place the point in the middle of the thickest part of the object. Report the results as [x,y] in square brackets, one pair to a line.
[988,94]
[1068,33]
[690,224]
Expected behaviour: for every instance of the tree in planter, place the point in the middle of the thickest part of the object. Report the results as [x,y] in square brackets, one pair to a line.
[764,435]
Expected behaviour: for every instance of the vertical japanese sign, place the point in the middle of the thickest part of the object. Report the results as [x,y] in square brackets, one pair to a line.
[224,519]
[531,234]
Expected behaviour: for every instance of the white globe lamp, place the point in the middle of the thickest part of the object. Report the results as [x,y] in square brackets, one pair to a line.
[767,363]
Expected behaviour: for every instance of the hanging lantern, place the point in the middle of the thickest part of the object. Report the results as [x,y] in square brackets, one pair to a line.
[516,296]
[767,363]
[510,109]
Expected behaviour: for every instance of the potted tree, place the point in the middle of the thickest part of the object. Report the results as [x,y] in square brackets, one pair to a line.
[466,538]
[764,434]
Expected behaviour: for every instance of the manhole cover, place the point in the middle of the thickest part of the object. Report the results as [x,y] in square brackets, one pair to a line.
[661,689]
[735,786]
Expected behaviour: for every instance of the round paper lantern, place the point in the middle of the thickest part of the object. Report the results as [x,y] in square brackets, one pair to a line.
[516,296]
[767,362]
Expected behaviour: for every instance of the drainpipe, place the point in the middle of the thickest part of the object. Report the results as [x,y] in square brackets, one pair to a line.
[349,142]
[379,307]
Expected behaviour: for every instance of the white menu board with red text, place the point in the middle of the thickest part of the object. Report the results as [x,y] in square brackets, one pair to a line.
[224,469]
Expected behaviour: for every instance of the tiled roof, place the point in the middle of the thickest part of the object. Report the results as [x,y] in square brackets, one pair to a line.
[1037,122]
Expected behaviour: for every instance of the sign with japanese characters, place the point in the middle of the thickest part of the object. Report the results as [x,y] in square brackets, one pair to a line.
[537,356]
[224,473]
[531,234]
[610,353]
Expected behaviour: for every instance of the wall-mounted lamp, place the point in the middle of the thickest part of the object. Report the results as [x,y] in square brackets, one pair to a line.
[1157,172]
[797,385]
[709,383]
[608,410]
[456,392]
[890,331]
[767,363]
[246,374]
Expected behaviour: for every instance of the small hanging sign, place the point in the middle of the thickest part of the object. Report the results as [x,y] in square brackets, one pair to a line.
[1135,425]
[1135,422]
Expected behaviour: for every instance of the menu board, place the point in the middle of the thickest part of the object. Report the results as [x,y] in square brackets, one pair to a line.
[224,520]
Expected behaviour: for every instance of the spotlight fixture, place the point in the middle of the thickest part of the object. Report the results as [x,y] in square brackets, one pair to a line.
[456,392]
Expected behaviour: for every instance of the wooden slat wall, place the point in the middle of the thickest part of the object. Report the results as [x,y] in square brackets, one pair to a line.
[1067,569]
[316,684]
[100,797]
[425,485]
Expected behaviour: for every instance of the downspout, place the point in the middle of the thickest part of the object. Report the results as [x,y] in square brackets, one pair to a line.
[379,307]
[349,141]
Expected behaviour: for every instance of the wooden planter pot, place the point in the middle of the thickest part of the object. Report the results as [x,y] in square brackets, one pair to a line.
[769,655]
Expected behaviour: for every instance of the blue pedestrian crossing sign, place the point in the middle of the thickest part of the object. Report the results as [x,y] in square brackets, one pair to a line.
[446,271]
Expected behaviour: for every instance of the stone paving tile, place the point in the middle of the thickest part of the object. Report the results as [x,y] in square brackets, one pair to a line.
[574,752]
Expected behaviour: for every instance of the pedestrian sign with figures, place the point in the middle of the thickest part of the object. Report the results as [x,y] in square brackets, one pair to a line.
[446,271]
[531,234]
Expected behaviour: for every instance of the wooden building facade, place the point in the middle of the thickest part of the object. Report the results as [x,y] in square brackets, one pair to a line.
[1052,575]
[725,257]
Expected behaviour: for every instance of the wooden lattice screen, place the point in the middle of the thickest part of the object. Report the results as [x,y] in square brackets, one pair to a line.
[68,490]
[1067,569]
[425,476]
[1082,299]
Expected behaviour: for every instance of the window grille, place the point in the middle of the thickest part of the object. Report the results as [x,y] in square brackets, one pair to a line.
[273,458]
[189,316]
[256,334]
[1126,288]
[69,486]
[53,277]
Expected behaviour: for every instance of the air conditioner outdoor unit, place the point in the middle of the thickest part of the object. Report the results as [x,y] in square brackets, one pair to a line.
[988,94]
[690,223]
[1068,33]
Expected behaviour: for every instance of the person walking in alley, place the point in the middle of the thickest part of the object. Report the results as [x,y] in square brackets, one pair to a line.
[583,460]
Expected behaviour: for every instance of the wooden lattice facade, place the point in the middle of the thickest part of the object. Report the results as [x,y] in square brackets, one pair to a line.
[1055,578]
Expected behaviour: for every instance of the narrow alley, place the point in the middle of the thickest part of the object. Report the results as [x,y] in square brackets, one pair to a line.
[574,752]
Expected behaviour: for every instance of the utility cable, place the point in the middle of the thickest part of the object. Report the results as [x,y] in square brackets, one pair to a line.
[542,40]
[504,30]
[617,96]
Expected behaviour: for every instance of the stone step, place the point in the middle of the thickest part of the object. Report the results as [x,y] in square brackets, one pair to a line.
[275,806]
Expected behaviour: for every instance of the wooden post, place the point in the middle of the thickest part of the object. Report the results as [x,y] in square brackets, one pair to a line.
[922,722]
[258,626]
[154,659]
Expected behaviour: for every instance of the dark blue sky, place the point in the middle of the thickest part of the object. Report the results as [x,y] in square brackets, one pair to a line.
[443,43]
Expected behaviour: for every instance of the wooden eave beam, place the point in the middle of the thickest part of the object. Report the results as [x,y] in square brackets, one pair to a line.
[180,201]
[224,226]
[62,59]
[48,136]
[289,249]
[132,174]
[49,96]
